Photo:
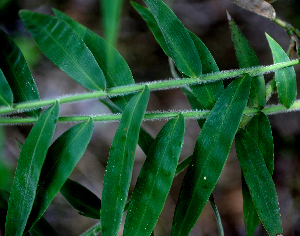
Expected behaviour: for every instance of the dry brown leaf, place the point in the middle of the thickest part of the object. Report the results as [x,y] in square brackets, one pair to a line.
[258,6]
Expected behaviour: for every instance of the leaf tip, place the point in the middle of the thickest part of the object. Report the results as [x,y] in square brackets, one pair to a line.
[228,16]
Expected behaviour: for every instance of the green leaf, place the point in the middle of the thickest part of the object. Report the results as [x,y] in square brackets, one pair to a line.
[111,11]
[217,215]
[153,26]
[155,179]
[61,159]
[120,163]
[285,78]
[251,218]
[210,153]
[17,73]
[259,181]
[247,58]
[82,199]
[116,71]
[180,44]
[43,228]
[207,94]
[260,129]
[6,95]
[60,43]
[27,175]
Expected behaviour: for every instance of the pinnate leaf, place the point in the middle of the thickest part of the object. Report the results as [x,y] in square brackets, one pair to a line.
[180,44]
[28,171]
[259,182]
[120,163]
[155,179]
[6,95]
[210,153]
[17,73]
[285,78]
[61,159]
[82,199]
[60,43]
[247,58]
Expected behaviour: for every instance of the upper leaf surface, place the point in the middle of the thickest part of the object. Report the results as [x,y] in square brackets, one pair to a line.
[210,153]
[180,44]
[120,163]
[27,175]
[61,159]
[113,65]
[259,181]
[285,78]
[6,95]
[60,43]
[247,58]
[17,73]
[155,179]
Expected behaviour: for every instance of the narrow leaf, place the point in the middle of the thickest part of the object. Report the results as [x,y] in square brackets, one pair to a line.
[180,44]
[60,43]
[17,73]
[61,159]
[155,179]
[210,153]
[120,163]
[217,215]
[260,129]
[247,58]
[259,181]
[27,175]
[82,199]
[153,26]
[285,78]
[207,94]
[6,95]
[116,70]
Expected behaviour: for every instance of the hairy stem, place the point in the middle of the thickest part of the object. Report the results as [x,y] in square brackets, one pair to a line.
[156,85]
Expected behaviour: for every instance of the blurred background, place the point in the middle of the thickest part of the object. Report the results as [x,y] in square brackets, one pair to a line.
[207,19]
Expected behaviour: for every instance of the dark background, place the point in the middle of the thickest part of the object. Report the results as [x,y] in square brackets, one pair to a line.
[207,19]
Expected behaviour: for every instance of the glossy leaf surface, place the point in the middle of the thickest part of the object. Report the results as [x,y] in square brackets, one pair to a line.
[120,163]
[259,182]
[17,73]
[28,171]
[6,95]
[82,199]
[180,44]
[61,159]
[116,70]
[246,57]
[210,153]
[285,78]
[155,179]
[60,43]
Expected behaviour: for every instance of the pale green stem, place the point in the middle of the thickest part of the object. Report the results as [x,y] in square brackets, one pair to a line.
[156,85]
[288,27]
[188,114]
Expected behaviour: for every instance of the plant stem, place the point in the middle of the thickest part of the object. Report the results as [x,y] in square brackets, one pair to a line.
[188,114]
[288,27]
[156,85]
